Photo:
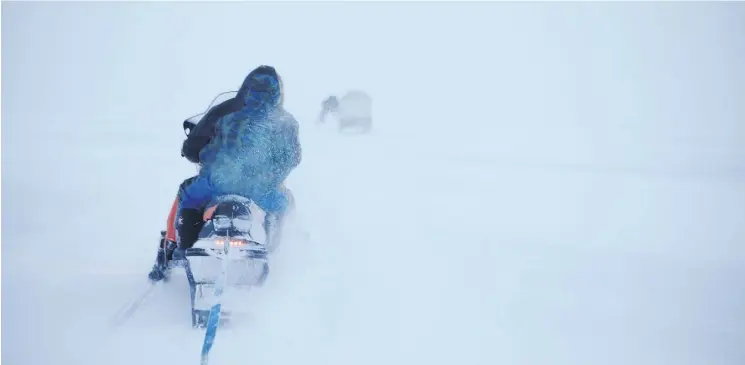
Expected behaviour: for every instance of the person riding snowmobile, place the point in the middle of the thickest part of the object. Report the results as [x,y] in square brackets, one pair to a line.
[329,105]
[247,146]
[352,109]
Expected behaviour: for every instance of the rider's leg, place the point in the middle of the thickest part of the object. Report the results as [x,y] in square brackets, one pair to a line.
[167,242]
[189,220]
[276,205]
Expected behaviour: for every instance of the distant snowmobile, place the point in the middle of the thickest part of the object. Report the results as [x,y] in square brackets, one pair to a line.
[352,111]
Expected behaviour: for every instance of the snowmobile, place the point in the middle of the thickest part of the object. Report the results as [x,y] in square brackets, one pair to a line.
[225,249]
[225,256]
[353,111]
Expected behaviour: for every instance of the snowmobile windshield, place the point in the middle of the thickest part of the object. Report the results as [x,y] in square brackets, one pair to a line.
[216,101]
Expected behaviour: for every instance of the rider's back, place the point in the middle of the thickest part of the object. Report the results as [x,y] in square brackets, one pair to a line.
[255,148]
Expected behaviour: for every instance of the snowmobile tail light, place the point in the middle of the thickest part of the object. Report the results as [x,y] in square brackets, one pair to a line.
[234,242]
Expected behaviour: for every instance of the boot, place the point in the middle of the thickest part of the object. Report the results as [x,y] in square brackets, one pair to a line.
[161,267]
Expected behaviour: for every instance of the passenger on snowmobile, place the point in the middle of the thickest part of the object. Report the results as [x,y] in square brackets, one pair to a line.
[354,109]
[247,146]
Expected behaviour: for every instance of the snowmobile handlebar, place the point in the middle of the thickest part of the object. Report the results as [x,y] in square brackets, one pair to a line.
[188,126]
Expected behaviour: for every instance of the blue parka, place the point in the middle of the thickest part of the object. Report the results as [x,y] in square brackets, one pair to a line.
[253,150]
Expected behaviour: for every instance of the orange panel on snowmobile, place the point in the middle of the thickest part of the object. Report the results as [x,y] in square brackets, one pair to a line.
[209,212]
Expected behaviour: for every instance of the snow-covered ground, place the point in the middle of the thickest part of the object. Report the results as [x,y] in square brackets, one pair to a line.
[545,183]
